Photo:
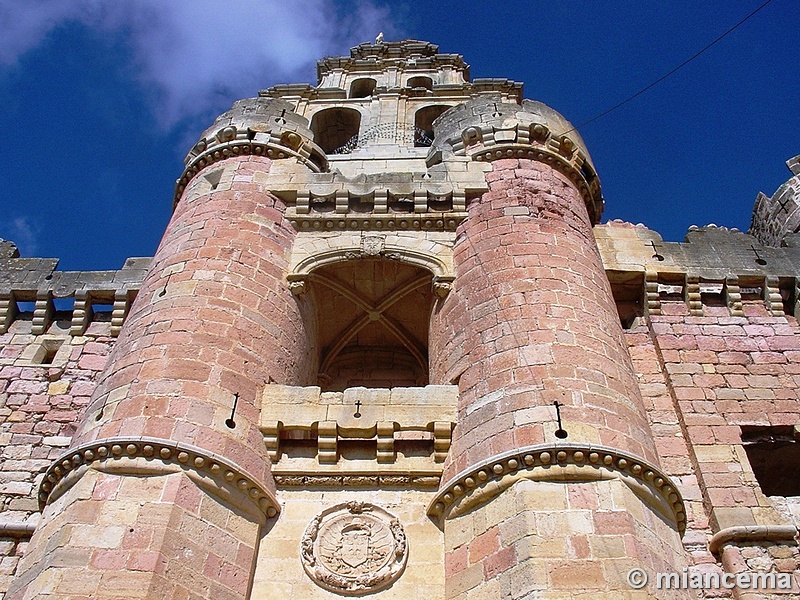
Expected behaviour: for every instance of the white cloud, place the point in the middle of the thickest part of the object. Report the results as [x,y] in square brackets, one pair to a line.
[23,233]
[194,53]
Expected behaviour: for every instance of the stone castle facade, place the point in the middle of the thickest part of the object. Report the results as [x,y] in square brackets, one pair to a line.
[386,349]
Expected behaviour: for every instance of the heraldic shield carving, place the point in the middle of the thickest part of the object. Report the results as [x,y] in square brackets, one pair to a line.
[354,548]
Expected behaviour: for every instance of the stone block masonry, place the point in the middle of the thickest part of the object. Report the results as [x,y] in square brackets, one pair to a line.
[40,405]
[344,371]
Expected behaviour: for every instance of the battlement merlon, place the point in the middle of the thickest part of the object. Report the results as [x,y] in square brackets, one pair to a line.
[27,277]
[33,285]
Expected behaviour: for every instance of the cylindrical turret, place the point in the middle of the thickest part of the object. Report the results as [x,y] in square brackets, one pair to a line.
[530,324]
[169,455]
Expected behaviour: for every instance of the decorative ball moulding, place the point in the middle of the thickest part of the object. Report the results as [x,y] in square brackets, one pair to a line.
[562,165]
[224,472]
[388,223]
[277,149]
[530,463]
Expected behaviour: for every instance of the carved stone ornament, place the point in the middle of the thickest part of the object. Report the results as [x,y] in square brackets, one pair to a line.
[354,548]
[372,245]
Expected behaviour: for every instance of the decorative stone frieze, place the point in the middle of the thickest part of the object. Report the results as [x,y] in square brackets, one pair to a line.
[258,144]
[354,548]
[560,462]
[357,480]
[377,222]
[228,479]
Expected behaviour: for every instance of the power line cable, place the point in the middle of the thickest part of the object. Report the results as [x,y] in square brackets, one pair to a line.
[680,66]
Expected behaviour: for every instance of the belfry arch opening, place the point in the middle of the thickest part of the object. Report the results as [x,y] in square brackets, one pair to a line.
[420,82]
[336,129]
[423,124]
[373,319]
[363,88]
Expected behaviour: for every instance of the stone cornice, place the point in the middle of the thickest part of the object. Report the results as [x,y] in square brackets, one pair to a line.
[748,534]
[231,142]
[229,480]
[410,54]
[557,462]
[377,222]
[487,143]
[428,481]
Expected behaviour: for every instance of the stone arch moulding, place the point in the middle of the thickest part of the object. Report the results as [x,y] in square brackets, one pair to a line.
[376,247]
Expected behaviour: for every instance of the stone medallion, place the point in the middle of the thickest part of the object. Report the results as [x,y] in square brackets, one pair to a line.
[354,548]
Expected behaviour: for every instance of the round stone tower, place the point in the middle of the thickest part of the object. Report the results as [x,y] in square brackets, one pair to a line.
[376,353]
[553,477]
[168,476]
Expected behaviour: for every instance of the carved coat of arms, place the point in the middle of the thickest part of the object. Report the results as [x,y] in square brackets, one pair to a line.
[354,548]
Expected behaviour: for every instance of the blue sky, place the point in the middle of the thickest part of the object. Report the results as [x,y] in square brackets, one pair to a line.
[101,99]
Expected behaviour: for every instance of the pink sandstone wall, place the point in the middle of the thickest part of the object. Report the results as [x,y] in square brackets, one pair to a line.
[213,318]
[40,406]
[531,320]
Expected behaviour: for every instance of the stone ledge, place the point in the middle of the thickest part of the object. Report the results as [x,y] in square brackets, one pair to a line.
[228,479]
[369,222]
[359,480]
[780,534]
[306,153]
[480,483]
[17,530]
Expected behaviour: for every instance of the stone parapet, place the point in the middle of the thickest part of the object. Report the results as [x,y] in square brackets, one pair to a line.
[400,431]
[487,128]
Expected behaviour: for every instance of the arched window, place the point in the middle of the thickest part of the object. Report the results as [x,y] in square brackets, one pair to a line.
[336,129]
[373,318]
[363,88]
[423,123]
[421,82]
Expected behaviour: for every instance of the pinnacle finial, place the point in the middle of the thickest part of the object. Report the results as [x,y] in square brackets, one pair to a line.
[379,38]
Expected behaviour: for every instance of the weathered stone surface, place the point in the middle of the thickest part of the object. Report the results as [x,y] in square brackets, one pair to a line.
[392,290]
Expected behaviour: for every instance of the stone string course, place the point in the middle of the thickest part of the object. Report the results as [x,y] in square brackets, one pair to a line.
[121,449]
[558,462]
